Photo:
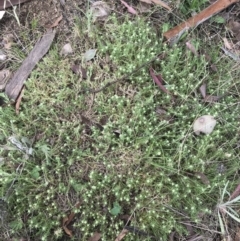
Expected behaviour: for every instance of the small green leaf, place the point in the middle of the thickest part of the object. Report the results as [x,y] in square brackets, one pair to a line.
[116,209]
[35,173]
[78,187]
[165,27]
[16,224]
[219,19]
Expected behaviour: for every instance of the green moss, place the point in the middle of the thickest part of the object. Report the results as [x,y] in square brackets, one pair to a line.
[144,163]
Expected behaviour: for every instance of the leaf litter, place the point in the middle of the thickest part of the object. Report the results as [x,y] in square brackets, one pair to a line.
[66,49]
[158,80]
[157,2]
[79,70]
[129,8]
[89,54]
[96,236]
[67,220]
[100,10]
[204,124]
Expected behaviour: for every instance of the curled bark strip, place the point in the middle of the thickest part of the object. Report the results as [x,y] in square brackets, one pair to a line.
[14,85]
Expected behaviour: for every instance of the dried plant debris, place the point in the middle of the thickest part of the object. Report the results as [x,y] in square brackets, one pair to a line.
[158,80]
[67,220]
[79,70]
[96,236]
[100,10]
[203,90]
[7,41]
[190,46]
[66,49]
[227,44]
[5,75]
[230,54]
[122,234]
[89,54]
[204,124]
[3,56]
[234,27]
[158,2]
[129,8]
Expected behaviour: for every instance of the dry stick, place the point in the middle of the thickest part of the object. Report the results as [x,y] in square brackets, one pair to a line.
[175,33]
[14,86]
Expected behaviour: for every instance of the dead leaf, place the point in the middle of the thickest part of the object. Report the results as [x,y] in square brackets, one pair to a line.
[103,121]
[172,236]
[161,3]
[227,44]
[230,54]
[100,10]
[195,237]
[117,133]
[79,70]
[56,22]
[68,220]
[66,49]
[213,68]
[236,193]
[5,75]
[238,37]
[16,83]
[174,34]
[204,124]
[129,8]
[86,121]
[90,123]
[158,80]
[234,26]
[144,7]
[123,233]
[96,236]
[203,177]
[146,1]
[203,90]
[68,231]
[90,54]
[211,98]
[7,41]
[191,48]
[18,101]
[3,56]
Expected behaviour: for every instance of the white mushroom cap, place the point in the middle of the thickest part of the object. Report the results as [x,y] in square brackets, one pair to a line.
[204,124]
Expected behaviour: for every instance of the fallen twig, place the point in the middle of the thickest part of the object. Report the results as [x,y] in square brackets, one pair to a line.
[14,86]
[175,33]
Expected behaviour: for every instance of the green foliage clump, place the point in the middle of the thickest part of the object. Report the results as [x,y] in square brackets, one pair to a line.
[144,162]
[191,6]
